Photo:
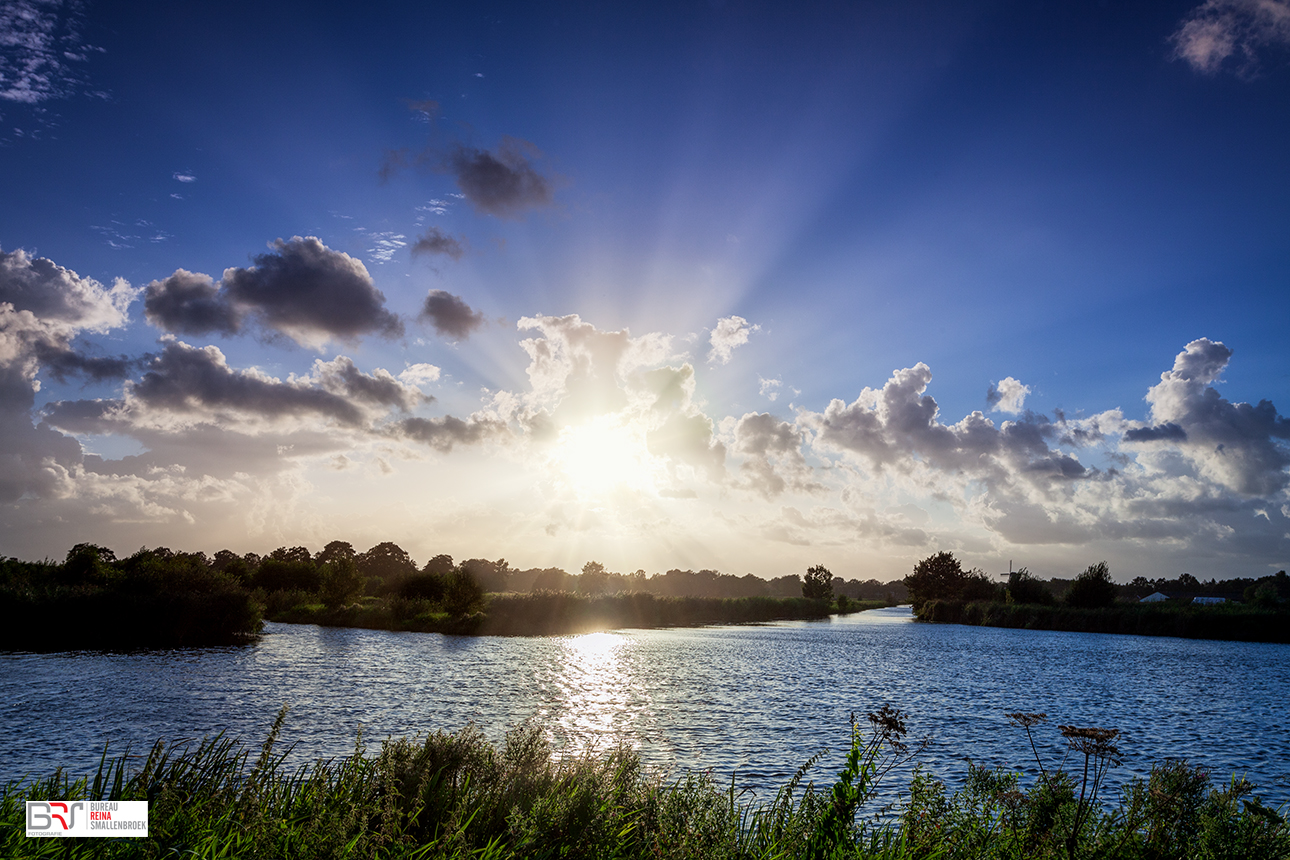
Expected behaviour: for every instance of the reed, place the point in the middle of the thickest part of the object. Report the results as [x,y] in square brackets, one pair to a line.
[458,796]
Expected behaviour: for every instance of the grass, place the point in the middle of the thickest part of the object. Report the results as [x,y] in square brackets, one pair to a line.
[551,613]
[1236,622]
[458,796]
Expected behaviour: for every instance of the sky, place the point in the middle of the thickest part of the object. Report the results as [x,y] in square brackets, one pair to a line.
[730,285]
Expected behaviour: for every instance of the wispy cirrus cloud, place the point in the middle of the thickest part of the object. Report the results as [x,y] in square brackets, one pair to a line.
[1238,30]
[42,53]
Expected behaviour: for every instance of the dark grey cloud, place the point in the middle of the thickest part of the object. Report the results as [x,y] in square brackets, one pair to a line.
[184,379]
[302,289]
[308,291]
[341,376]
[450,315]
[435,241]
[444,433]
[190,303]
[1162,433]
[62,363]
[502,183]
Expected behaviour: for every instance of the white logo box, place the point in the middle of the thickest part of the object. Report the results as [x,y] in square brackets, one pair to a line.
[87,818]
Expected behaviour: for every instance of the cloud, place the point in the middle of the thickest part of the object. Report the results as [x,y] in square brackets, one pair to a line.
[729,333]
[1218,30]
[190,303]
[1008,395]
[1236,445]
[502,183]
[450,315]
[772,451]
[898,427]
[62,363]
[444,433]
[340,376]
[769,388]
[43,306]
[420,374]
[302,289]
[40,49]
[435,241]
[60,296]
[184,176]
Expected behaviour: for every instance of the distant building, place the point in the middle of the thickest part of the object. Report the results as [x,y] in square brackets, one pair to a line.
[1207,600]
[1154,598]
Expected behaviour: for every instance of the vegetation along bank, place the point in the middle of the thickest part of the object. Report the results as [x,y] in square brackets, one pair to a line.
[458,796]
[161,598]
[1249,610]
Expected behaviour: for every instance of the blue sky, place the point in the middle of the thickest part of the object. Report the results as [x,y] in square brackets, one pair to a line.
[660,285]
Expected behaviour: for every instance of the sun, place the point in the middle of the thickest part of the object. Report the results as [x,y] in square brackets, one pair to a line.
[603,455]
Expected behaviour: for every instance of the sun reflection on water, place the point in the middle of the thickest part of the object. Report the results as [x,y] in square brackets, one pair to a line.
[598,697]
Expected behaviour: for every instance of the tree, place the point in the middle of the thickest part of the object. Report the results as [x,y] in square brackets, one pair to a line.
[594,579]
[387,561]
[937,577]
[294,554]
[818,584]
[336,551]
[342,584]
[1093,588]
[440,564]
[1025,588]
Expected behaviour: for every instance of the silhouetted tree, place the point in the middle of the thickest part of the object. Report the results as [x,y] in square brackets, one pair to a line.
[1093,588]
[440,564]
[1025,588]
[818,584]
[336,551]
[342,584]
[489,575]
[294,554]
[551,579]
[87,562]
[594,579]
[937,577]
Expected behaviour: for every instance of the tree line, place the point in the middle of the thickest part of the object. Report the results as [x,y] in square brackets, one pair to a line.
[941,577]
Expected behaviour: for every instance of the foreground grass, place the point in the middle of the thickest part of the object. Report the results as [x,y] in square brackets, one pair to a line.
[553,613]
[457,796]
[1224,621]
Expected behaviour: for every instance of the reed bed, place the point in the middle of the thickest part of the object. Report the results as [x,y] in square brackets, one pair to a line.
[458,796]
[1235,622]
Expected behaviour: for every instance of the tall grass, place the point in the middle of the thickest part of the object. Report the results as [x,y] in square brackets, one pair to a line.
[458,796]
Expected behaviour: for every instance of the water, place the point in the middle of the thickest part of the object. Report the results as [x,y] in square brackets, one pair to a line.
[756,701]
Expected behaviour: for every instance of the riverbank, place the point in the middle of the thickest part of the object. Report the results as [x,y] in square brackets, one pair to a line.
[560,613]
[457,796]
[1233,622]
